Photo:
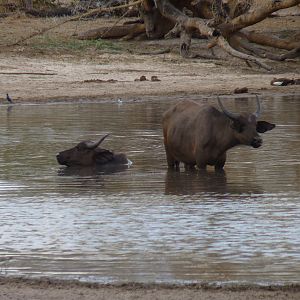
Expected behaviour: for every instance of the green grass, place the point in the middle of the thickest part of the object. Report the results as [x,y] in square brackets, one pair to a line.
[50,43]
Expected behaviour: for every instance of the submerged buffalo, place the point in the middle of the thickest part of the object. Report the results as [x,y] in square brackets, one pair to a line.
[88,153]
[200,134]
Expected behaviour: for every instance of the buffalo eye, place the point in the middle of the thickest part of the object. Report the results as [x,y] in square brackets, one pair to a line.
[238,126]
[80,148]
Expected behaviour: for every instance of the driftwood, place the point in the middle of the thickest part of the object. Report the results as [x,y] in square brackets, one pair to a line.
[271,41]
[229,23]
[240,90]
[222,22]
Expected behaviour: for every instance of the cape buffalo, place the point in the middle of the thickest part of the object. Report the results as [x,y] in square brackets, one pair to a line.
[88,153]
[199,134]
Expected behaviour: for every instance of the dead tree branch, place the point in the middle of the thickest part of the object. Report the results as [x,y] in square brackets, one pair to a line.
[289,55]
[225,45]
[271,41]
[174,14]
[258,12]
[191,23]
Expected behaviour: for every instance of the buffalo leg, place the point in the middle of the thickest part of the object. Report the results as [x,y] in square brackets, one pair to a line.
[172,162]
[201,166]
[189,166]
[220,162]
[201,161]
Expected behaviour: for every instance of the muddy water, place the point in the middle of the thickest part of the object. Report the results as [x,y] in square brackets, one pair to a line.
[146,224]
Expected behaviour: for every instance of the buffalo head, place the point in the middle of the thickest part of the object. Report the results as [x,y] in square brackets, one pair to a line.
[88,153]
[246,126]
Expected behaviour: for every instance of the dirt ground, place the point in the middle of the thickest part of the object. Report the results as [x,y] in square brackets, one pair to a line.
[55,66]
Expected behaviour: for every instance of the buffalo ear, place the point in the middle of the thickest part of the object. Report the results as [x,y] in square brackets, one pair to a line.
[263,126]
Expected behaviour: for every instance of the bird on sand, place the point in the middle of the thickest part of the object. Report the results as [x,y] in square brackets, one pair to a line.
[9,99]
[282,81]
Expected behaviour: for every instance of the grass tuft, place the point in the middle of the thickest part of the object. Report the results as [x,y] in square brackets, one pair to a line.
[50,43]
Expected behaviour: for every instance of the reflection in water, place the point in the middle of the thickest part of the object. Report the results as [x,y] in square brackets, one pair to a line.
[146,223]
[194,182]
[9,109]
[91,171]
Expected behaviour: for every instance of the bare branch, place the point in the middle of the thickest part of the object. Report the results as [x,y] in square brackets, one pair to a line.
[259,11]
[271,41]
[225,45]
[174,14]
[289,55]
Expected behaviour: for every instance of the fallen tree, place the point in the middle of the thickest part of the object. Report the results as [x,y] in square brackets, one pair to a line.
[222,22]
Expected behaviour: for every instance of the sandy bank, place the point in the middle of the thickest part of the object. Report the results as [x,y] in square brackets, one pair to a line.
[41,79]
[46,289]
[49,68]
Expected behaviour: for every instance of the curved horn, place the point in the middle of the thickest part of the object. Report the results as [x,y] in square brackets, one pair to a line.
[229,114]
[258,111]
[92,145]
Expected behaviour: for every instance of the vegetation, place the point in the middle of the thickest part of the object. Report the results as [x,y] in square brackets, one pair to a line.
[47,42]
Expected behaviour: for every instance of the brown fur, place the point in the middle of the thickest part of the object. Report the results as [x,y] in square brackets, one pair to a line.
[81,155]
[198,134]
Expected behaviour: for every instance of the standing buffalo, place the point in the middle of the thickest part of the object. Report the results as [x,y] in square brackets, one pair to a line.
[88,153]
[198,134]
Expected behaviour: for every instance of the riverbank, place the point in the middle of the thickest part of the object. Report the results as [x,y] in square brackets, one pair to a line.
[57,67]
[44,79]
[13,288]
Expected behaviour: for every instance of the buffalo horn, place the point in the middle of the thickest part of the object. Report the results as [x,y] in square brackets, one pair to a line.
[229,114]
[258,111]
[92,145]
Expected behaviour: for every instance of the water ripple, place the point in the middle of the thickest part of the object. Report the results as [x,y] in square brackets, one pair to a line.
[146,223]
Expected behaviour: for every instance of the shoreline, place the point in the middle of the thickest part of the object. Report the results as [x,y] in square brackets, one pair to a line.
[45,288]
[65,100]
[50,67]
[79,80]
[232,286]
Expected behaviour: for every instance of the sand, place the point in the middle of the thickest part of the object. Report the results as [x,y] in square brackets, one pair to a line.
[23,289]
[45,69]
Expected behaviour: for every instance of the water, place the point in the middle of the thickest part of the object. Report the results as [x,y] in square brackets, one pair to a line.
[145,223]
